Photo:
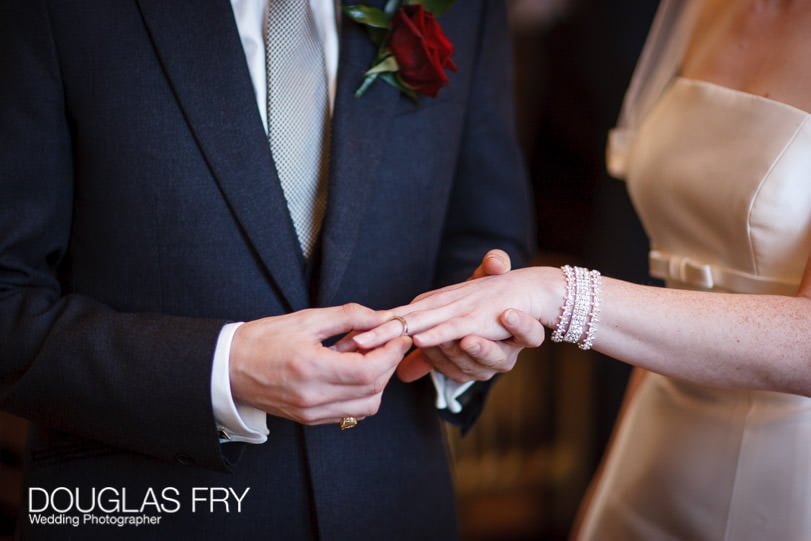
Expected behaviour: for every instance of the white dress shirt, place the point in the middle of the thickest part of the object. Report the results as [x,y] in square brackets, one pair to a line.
[238,422]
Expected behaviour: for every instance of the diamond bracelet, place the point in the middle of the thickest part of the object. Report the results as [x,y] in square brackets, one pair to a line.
[580,311]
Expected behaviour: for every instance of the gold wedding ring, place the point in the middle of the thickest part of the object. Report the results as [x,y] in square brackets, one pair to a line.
[404,323]
[347,423]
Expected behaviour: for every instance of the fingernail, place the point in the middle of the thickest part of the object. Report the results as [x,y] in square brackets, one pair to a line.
[362,339]
[510,318]
[474,348]
[418,340]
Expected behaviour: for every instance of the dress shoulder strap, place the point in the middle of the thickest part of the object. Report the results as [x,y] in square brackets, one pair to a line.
[655,69]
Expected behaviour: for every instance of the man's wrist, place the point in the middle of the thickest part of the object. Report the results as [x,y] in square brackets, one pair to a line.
[235,422]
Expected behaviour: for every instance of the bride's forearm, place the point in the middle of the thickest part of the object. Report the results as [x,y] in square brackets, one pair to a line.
[726,340]
[718,339]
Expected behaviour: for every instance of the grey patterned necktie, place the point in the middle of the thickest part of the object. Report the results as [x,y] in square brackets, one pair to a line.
[298,113]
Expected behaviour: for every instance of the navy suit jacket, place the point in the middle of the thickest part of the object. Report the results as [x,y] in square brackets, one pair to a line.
[140,211]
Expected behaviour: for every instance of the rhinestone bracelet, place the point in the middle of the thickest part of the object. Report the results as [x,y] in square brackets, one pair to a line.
[594,316]
[581,307]
[568,303]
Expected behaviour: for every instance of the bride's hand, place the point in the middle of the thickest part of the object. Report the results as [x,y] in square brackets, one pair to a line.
[471,308]
[462,328]
[473,357]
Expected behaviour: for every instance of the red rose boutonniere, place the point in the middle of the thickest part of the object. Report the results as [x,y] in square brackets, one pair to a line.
[412,51]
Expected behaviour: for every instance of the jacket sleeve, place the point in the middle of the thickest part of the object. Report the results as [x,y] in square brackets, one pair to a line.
[136,381]
[490,204]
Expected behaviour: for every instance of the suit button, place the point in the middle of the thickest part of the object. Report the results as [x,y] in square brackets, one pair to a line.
[186,460]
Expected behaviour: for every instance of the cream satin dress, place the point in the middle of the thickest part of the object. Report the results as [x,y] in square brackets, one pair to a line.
[722,182]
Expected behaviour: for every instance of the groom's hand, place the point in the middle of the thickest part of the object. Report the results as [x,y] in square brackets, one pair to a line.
[473,357]
[280,365]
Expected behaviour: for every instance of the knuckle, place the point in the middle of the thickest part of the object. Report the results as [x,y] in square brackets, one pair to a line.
[365,377]
[455,326]
[353,308]
[492,364]
[297,401]
[506,367]
[479,372]
[307,418]
[486,376]
[374,406]
[302,399]
[302,372]
[379,386]
[468,370]
[461,378]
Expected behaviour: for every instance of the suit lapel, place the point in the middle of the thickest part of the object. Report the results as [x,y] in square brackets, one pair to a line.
[212,83]
[359,128]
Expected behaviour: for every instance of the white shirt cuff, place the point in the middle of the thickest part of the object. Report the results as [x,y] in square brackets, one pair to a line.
[235,422]
[447,392]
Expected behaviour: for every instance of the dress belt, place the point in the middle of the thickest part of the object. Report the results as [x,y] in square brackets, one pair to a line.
[675,268]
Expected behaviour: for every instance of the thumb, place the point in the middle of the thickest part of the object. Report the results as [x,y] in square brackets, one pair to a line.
[494,262]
